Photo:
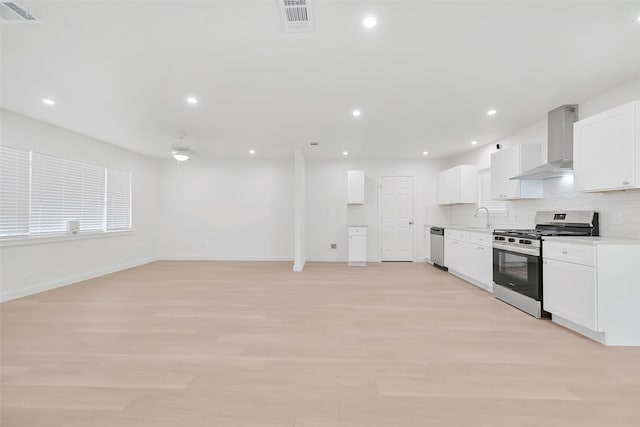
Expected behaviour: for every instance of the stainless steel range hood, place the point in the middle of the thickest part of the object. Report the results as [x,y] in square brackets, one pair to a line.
[559,145]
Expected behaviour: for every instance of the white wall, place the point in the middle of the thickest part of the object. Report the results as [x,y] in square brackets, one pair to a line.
[227,209]
[558,192]
[30,268]
[328,213]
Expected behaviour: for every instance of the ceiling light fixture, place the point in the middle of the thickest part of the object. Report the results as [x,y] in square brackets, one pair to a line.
[474,142]
[424,153]
[192,100]
[49,101]
[181,152]
[638,19]
[252,151]
[356,113]
[369,22]
[345,153]
[491,113]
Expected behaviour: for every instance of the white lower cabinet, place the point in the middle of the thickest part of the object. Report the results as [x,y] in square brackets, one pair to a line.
[357,246]
[469,256]
[455,255]
[481,264]
[590,285]
[570,292]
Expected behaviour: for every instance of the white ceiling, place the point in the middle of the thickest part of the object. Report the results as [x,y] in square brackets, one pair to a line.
[424,77]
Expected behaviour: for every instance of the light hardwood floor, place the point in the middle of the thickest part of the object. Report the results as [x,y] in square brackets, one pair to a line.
[253,344]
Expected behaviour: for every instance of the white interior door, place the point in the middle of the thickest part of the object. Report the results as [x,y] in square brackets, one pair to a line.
[396,218]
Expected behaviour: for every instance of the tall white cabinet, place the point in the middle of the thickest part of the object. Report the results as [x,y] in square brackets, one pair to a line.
[510,162]
[606,150]
[355,187]
[458,185]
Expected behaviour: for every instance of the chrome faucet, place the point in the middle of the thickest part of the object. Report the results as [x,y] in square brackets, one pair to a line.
[487,211]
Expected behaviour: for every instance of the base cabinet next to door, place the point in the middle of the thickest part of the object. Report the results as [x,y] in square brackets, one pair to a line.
[357,246]
[469,256]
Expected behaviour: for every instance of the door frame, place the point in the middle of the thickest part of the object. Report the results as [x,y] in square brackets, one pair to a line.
[413,214]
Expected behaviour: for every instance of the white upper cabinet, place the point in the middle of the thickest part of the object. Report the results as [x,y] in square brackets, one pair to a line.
[355,187]
[458,185]
[606,150]
[510,162]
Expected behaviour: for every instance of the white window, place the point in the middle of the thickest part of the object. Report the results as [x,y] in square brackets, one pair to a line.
[118,200]
[495,207]
[40,194]
[14,192]
[61,191]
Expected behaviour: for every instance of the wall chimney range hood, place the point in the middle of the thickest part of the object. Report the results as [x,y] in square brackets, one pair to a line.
[559,145]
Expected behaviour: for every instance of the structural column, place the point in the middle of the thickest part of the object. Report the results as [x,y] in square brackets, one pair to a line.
[299,210]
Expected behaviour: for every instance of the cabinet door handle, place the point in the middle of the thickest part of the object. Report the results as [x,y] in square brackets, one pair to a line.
[481,248]
[410,222]
[625,182]
[564,252]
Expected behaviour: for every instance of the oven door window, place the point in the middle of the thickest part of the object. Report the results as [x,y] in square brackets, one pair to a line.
[519,272]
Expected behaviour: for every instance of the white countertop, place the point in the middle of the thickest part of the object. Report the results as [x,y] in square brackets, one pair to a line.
[463,228]
[587,240]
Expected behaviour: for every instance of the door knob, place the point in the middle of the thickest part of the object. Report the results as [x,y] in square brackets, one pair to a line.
[410,222]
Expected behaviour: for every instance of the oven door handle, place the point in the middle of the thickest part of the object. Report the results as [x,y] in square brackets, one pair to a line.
[521,251]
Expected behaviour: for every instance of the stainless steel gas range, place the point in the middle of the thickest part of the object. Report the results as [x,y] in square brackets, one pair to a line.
[517,256]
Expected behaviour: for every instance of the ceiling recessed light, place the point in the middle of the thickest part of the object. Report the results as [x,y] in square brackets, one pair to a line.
[345,153]
[356,113]
[474,142]
[49,101]
[192,100]
[424,153]
[369,22]
[252,151]
[491,113]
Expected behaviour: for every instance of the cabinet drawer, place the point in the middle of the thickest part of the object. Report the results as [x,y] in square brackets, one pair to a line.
[568,252]
[357,231]
[480,239]
[456,234]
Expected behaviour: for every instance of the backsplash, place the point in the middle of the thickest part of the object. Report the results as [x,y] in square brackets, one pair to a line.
[559,196]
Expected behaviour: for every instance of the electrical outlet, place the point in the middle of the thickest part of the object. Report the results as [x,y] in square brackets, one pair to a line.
[334,246]
[617,218]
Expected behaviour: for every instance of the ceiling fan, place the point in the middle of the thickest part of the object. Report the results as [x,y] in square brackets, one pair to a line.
[181,151]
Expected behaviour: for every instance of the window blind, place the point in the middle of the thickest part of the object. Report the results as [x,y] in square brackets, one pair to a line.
[63,190]
[498,207]
[118,200]
[14,191]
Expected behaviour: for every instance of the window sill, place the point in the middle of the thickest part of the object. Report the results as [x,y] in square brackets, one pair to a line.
[42,240]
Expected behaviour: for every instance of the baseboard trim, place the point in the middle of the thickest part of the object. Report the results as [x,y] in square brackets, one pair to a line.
[596,336]
[31,290]
[232,258]
[345,260]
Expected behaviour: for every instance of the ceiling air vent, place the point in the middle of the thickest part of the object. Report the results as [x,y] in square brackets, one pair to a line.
[296,14]
[13,12]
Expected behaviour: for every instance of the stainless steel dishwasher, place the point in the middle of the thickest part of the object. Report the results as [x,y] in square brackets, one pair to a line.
[437,247]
